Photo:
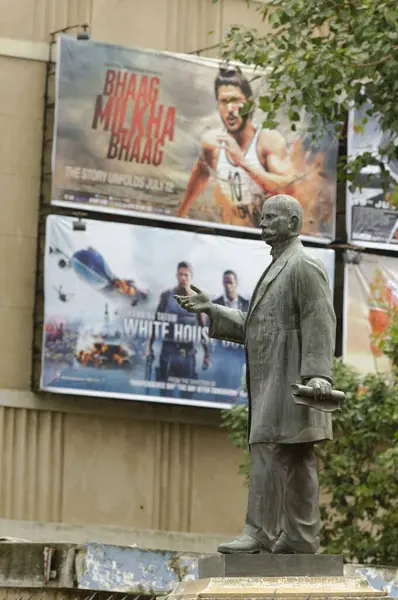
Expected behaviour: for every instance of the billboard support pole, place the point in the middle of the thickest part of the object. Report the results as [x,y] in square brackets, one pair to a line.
[45,208]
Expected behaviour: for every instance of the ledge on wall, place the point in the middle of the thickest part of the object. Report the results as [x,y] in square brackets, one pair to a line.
[37,531]
[125,409]
[24,49]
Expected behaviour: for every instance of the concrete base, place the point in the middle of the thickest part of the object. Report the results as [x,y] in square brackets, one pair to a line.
[270,565]
[299,588]
[34,594]
[89,570]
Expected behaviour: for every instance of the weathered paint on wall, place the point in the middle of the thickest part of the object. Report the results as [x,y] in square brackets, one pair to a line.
[113,568]
[381,578]
[154,572]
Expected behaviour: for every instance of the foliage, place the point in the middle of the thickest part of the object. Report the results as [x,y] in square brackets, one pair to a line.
[326,56]
[359,468]
[235,420]
[359,471]
[388,340]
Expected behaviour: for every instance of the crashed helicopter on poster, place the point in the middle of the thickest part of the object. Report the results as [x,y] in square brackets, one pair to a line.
[90,267]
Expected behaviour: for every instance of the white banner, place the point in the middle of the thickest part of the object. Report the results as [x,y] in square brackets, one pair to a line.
[371,291]
[112,327]
[372,219]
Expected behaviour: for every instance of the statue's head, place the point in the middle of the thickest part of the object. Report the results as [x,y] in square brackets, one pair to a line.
[281,218]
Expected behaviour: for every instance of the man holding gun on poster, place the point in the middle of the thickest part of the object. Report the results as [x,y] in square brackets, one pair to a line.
[177,356]
[230,353]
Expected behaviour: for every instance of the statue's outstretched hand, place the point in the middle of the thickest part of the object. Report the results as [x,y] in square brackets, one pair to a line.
[199,302]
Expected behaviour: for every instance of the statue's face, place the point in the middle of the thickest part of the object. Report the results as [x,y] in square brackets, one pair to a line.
[275,222]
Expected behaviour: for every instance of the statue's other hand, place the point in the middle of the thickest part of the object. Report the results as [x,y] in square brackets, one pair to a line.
[197,303]
[322,387]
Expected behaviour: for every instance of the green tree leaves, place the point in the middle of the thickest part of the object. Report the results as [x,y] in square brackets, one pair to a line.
[359,470]
[329,56]
[236,421]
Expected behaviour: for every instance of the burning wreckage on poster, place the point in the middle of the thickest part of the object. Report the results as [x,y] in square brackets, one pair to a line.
[139,131]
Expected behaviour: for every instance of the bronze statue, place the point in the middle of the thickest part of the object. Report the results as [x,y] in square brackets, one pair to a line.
[289,337]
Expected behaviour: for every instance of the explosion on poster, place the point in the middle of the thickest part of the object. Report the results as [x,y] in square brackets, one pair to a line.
[140,127]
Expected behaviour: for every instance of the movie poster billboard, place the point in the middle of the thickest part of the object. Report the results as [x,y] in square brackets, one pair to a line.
[112,327]
[371,292]
[372,219]
[139,132]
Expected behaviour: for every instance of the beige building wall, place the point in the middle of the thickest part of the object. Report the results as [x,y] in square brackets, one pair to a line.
[83,460]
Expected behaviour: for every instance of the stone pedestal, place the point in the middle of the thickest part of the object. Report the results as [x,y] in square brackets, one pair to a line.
[268,576]
[270,588]
[270,565]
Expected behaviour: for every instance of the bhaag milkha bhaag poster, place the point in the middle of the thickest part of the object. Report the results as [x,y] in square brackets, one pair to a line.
[112,327]
[143,132]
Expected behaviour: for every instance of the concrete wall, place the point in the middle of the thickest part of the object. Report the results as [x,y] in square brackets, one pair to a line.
[137,572]
[80,460]
[174,25]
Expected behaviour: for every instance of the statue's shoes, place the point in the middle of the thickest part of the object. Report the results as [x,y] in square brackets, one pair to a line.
[284,546]
[243,544]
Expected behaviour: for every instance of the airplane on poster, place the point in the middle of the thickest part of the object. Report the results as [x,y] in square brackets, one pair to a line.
[90,266]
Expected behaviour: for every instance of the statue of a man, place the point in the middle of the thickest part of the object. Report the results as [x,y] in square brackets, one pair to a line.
[289,337]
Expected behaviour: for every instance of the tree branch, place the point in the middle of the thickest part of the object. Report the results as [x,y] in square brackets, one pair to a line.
[378,62]
[205,49]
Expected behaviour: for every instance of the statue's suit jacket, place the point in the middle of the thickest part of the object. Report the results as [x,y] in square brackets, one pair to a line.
[289,337]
